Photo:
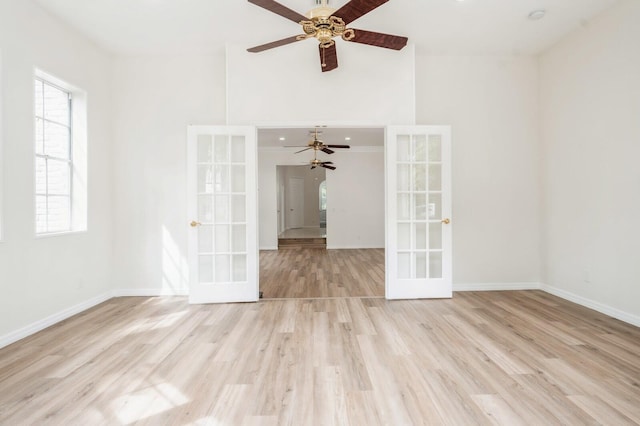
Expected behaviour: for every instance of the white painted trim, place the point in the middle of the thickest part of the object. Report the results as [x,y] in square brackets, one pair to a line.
[269,248]
[149,292]
[496,286]
[39,325]
[592,304]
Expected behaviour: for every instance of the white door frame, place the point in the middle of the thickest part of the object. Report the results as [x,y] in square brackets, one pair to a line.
[447,269]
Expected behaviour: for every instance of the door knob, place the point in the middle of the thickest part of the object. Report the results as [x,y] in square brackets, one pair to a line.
[446,221]
[194,224]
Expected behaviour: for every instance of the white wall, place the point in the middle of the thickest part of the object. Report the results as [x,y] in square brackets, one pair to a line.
[155,98]
[44,279]
[355,198]
[491,104]
[286,85]
[590,119]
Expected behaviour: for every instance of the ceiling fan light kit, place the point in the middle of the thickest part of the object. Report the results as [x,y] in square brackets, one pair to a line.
[325,23]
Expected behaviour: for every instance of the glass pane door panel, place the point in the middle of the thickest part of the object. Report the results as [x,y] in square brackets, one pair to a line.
[435,236]
[221,149]
[435,177]
[435,264]
[205,208]
[404,236]
[403,207]
[205,239]
[435,206]
[420,236]
[222,208]
[239,267]
[221,174]
[205,269]
[222,238]
[435,148]
[404,177]
[420,177]
[239,238]
[420,206]
[404,148]
[421,265]
[237,149]
[205,149]
[237,179]
[420,148]
[222,268]
[404,265]
[238,208]
[205,179]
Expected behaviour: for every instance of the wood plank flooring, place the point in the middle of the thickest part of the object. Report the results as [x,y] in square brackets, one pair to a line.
[521,357]
[322,273]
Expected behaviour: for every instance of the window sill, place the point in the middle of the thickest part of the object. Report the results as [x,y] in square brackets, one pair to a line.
[60,234]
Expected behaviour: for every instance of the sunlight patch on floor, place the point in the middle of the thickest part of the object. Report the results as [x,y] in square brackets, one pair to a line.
[147,402]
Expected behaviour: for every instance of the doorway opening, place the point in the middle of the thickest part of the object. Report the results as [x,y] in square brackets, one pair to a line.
[301,217]
[332,217]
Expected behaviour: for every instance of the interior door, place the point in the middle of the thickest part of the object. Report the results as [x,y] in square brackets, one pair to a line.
[418,221]
[222,200]
[295,200]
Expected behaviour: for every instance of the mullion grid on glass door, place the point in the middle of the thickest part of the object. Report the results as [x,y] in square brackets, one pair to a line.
[229,210]
[411,172]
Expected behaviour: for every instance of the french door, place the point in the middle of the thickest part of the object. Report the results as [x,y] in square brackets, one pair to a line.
[418,221]
[222,198]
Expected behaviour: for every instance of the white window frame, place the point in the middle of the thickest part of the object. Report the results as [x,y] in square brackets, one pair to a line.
[77,158]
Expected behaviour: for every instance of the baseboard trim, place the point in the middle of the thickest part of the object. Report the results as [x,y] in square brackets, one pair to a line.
[37,326]
[269,248]
[496,286]
[40,325]
[592,304]
[148,292]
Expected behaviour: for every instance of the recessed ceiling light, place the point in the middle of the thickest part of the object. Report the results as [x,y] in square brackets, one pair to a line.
[282,138]
[537,14]
[347,138]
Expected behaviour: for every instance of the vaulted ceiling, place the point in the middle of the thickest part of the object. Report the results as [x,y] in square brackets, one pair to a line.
[446,27]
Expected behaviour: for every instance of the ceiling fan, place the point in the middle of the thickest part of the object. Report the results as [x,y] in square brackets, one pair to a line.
[317,163]
[324,23]
[317,145]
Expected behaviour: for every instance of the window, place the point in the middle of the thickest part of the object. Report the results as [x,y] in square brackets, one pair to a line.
[322,193]
[59,168]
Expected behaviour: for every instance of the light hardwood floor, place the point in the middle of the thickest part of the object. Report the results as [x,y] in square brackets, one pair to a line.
[521,357]
[322,273]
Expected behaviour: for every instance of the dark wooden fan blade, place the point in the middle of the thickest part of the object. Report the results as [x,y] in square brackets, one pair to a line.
[328,58]
[328,167]
[338,146]
[302,150]
[273,44]
[313,167]
[356,8]
[327,150]
[379,39]
[278,9]
[327,162]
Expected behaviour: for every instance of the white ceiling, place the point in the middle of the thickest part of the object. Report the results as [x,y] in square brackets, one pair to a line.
[476,27]
[300,136]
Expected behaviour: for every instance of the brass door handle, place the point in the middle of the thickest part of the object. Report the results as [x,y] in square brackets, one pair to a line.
[194,224]
[446,221]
